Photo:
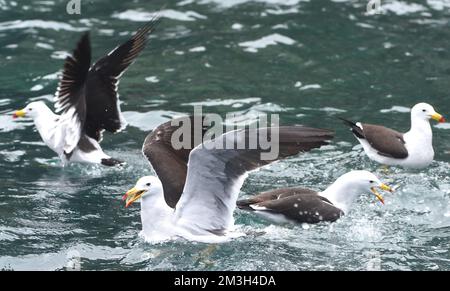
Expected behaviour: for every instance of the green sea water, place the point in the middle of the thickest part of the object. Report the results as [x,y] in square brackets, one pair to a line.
[308,61]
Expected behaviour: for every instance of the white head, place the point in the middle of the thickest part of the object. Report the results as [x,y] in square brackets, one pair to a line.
[145,187]
[346,188]
[424,111]
[32,110]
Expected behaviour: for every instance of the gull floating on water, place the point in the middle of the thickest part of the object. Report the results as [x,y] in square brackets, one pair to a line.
[307,206]
[195,192]
[88,98]
[413,149]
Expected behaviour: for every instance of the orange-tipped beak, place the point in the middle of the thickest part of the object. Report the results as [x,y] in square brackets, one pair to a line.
[382,187]
[131,196]
[438,117]
[19,113]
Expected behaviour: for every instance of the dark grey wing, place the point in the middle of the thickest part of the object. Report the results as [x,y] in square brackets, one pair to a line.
[303,208]
[216,173]
[70,96]
[387,142]
[170,164]
[103,109]
[271,195]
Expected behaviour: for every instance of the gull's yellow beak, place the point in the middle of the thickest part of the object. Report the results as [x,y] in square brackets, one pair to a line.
[438,117]
[19,113]
[382,187]
[132,195]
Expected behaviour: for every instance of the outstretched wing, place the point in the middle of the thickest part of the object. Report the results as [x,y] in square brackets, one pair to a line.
[216,174]
[171,164]
[103,109]
[71,94]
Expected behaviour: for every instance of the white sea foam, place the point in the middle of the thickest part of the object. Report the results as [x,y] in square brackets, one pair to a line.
[197,49]
[443,125]
[400,109]
[147,121]
[7,123]
[44,46]
[225,102]
[143,16]
[231,3]
[38,87]
[152,79]
[310,86]
[60,55]
[273,39]
[439,4]
[24,24]
[402,8]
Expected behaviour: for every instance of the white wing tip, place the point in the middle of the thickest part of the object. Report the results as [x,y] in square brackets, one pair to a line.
[257,207]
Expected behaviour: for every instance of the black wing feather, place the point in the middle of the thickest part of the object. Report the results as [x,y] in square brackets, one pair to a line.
[71,88]
[292,140]
[103,110]
[169,164]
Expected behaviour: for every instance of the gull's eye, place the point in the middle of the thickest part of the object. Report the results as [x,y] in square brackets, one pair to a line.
[371,181]
[149,184]
[30,109]
[424,110]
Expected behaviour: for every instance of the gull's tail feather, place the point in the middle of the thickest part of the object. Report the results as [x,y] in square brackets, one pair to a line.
[357,131]
[110,162]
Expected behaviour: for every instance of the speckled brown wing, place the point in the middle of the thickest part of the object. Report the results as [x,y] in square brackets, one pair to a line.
[298,204]
[272,195]
[305,207]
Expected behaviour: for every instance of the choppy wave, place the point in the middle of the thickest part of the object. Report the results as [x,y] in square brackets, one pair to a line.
[41,24]
[136,15]
[273,39]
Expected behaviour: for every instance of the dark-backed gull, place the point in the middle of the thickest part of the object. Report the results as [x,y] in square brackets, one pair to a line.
[413,149]
[307,206]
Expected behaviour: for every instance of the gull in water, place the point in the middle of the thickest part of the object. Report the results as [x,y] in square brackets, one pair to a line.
[413,149]
[194,193]
[308,206]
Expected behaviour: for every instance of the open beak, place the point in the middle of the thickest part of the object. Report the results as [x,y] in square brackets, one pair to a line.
[19,113]
[132,195]
[382,187]
[438,117]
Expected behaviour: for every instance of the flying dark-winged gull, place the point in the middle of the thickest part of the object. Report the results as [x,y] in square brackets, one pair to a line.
[88,98]
[307,206]
[413,149]
[210,182]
